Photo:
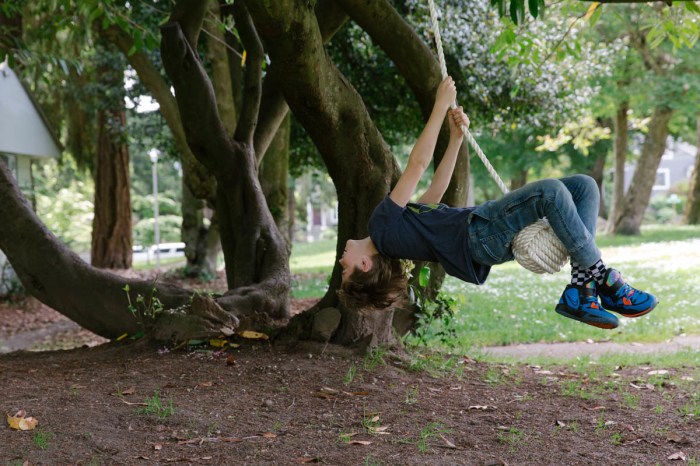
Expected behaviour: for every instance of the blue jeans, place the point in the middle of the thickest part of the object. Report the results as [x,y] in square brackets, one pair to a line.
[570,205]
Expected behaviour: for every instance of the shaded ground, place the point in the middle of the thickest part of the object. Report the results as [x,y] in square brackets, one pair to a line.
[261,405]
[264,404]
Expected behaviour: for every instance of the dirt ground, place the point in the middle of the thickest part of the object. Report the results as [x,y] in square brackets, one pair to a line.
[134,403]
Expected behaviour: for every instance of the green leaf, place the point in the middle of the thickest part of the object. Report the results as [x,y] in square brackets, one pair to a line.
[534,5]
[424,276]
[596,16]
[692,6]
[96,13]
[514,10]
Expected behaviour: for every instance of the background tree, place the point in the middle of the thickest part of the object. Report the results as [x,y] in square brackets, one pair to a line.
[111,226]
[692,212]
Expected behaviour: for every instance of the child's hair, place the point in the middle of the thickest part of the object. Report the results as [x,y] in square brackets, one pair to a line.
[380,287]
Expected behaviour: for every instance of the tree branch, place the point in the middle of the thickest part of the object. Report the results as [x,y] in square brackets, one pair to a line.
[273,107]
[252,76]
[419,67]
[189,14]
[56,276]
[206,135]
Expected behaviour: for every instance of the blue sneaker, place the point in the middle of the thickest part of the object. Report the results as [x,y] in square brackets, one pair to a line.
[581,303]
[618,296]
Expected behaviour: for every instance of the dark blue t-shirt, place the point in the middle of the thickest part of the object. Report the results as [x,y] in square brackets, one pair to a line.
[427,232]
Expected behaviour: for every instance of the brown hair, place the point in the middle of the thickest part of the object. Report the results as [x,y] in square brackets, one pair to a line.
[382,286]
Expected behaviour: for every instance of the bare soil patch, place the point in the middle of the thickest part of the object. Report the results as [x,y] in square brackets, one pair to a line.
[262,403]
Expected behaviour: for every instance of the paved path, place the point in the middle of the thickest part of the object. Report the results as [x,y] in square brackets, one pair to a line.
[574,349]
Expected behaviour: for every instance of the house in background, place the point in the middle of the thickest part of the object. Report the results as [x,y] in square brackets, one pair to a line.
[675,167]
[25,136]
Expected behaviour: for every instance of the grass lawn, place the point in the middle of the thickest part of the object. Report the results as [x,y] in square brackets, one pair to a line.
[517,306]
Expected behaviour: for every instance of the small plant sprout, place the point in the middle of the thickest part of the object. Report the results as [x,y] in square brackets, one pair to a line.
[573,427]
[432,430]
[411,395]
[349,375]
[370,421]
[375,358]
[616,438]
[156,407]
[512,438]
[600,425]
[42,438]
[632,401]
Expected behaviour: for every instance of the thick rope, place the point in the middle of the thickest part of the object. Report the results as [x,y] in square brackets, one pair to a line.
[536,247]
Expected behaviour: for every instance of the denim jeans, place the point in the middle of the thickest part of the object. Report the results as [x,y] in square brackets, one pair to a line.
[570,205]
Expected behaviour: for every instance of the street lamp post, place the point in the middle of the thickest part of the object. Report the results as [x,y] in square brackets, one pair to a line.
[153,154]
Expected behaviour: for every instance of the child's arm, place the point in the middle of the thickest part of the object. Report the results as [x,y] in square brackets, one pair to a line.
[441,178]
[423,150]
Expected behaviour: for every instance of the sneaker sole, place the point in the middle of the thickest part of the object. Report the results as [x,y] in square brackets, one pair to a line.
[639,314]
[562,310]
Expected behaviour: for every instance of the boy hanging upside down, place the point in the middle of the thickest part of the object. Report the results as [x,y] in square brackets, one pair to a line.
[467,241]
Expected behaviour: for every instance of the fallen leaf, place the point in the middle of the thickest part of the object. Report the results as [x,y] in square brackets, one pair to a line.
[658,372]
[230,361]
[597,408]
[269,435]
[134,404]
[560,423]
[157,447]
[379,430]
[447,442]
[360,442]
[679,455]
[324,395]
[217,342]
[205,384]
[675,437]
[20,422]
[253,335]
[129,391]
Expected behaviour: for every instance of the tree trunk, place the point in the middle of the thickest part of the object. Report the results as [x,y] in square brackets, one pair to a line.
[202,243]
[335,118]
[598,174]
[256,254]
[692,212]
[200,182]
[274,174]
[618,194]
[111,227]
[629,219]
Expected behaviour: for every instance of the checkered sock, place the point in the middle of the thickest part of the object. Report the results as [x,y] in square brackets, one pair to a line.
[578,275]
[597,271]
